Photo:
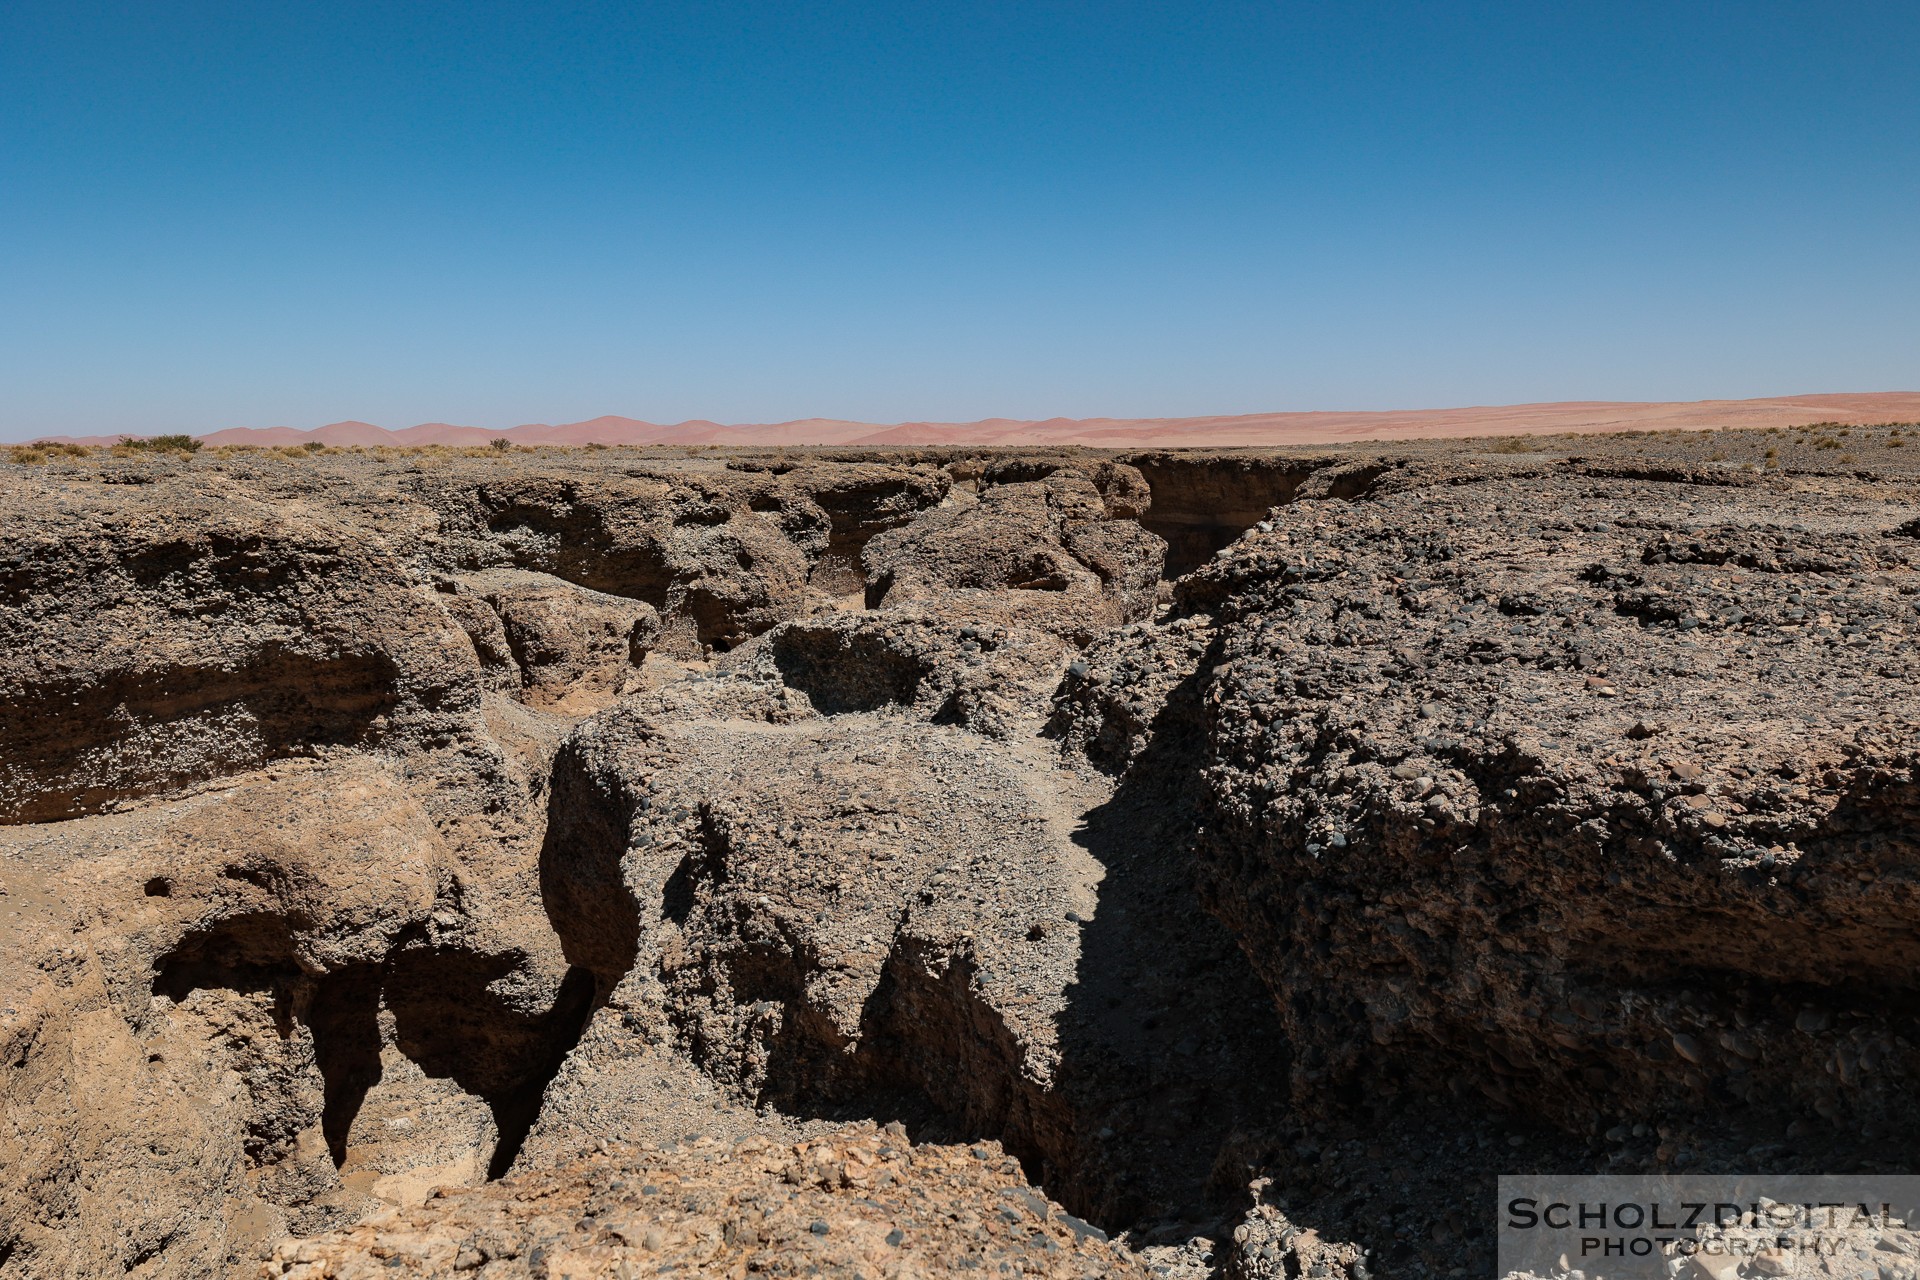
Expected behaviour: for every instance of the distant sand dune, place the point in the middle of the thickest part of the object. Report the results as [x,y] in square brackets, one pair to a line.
[1246,429]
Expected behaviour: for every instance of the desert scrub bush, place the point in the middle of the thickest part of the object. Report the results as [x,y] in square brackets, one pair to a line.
[500,444]
[45,451]
[177,443]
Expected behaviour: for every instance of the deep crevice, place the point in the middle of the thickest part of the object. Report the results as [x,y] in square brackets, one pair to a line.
[516,1109]
[344,1017]
[1201,505]
[446,1018]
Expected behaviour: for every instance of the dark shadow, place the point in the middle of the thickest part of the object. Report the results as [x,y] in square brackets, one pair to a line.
[251,952]
[846,671]
[677,896]
[516,1108]
[582,890]
[290,702]
[566,535]
[1170,1045]
[345,1019]
[448,1018]
[1202,503]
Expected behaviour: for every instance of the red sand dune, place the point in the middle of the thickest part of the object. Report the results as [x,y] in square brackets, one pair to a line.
[1246,429]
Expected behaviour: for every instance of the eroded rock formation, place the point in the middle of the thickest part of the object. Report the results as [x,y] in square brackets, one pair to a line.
[1241,856]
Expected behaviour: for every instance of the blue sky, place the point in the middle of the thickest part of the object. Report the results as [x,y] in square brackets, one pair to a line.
[227,214]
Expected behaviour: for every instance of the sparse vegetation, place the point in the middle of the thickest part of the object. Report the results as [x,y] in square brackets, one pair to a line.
[176,443]
[45,451]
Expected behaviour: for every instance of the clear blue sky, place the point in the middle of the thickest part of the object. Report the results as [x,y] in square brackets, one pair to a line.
[228,214]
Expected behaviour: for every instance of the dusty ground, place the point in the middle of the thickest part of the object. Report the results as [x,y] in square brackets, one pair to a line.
[1201,863]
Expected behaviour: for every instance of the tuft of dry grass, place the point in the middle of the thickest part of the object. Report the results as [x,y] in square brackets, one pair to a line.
[41,451]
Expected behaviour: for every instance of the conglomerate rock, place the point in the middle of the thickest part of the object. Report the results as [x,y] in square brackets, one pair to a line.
[1580,794]
[721,555]
[854,1202]
[1046,549]
[1607,808]
[209,994]
[548,641]
[152,638]
[812,905]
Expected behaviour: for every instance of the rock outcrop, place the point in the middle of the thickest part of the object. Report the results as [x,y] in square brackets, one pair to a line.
[1604,810]
[721,555]
[1045,553]
[851,1202]
[548,642]
[151,639]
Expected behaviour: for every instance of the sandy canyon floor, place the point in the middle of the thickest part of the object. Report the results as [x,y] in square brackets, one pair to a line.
[930,862]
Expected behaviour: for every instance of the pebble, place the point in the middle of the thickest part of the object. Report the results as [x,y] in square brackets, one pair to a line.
[1812,1021]
[1689,1048]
